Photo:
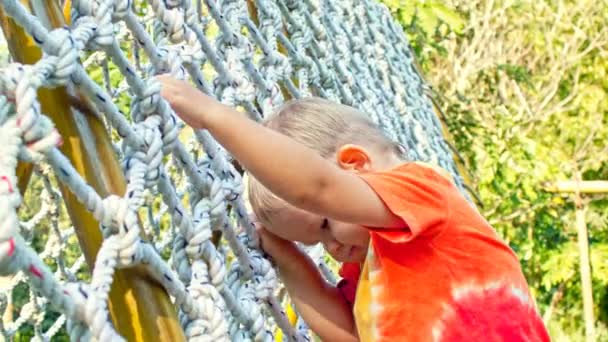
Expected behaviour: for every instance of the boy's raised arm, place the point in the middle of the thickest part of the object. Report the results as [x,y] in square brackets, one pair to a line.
[294,172]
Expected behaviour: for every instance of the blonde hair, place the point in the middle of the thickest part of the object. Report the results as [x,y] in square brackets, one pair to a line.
[323,126]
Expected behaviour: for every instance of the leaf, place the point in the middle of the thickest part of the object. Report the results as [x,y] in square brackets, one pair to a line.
[591,98]
[427,19]
[449,16]
[598,256]
[518,73]
[560,265]
[96,75]
[395,5]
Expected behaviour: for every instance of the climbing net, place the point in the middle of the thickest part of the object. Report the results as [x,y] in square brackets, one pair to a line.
[347,51]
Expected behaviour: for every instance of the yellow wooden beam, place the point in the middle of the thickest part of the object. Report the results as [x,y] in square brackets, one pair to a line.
[585,187]
[24,172]
[139,307]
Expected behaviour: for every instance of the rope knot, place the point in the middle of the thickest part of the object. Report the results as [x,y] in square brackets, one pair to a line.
[169,133]
[61,46]
[171,4]
[192,51]
[121,9]
[211,323]
[101,11]
[173,22]
[147,103]
[171,62]
[216,197]
[150,153]
[113,214]
[39,135]
[201,220]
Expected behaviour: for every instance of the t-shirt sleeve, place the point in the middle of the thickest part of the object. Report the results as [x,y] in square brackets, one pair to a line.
[417,194]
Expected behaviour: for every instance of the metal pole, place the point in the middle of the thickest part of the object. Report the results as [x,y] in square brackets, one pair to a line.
[139,307]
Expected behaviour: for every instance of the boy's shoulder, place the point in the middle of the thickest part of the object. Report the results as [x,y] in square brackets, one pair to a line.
[418,165]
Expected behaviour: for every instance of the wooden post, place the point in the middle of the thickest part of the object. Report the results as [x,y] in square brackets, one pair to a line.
[583,248]
[579,187]
[583,187]
[24,173]
[139,307]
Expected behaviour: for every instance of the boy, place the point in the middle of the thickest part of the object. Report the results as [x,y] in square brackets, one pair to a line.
[430,266]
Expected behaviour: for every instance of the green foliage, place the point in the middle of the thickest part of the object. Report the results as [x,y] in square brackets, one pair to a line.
[427,15]
[523,85]
[427,23]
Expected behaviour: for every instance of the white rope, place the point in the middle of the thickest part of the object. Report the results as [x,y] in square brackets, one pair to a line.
[351,52]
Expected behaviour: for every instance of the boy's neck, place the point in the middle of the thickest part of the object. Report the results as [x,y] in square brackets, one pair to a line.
[388,162]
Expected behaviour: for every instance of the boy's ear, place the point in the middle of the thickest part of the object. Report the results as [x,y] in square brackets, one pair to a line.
[353,158]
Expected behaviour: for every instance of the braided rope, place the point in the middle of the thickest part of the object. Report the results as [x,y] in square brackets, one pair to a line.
[351,52]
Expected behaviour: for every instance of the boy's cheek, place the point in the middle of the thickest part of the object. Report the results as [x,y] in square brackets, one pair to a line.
[352,235]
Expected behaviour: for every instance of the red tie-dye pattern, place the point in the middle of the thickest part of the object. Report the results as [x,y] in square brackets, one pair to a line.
[491,314]
[416,276]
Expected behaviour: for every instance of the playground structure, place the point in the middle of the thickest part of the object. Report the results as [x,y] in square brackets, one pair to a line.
[159,214]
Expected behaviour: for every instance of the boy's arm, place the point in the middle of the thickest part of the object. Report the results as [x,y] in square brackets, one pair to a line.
[292,171]
[321,305]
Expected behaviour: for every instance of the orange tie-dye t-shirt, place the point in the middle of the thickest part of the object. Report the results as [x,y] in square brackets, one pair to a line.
[445,276]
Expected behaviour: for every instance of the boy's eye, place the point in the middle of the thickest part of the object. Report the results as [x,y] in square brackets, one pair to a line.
[325,224]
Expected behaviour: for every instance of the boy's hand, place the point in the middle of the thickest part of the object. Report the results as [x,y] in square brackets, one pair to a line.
[189,103]
[321,305]
[271,243]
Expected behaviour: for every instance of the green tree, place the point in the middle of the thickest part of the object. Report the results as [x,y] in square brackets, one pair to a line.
[524,90]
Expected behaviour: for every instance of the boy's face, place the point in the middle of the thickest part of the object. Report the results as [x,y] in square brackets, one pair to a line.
[345,242]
